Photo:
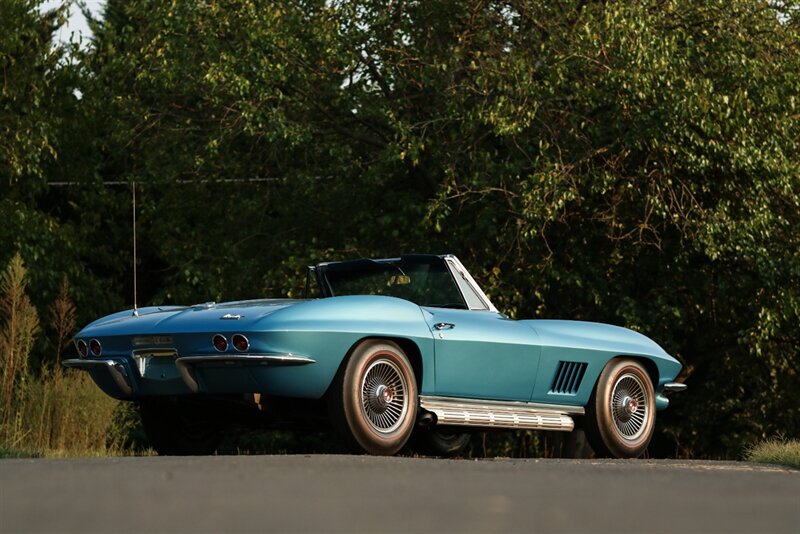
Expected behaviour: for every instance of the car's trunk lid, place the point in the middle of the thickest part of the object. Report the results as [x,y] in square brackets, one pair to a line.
[239,315]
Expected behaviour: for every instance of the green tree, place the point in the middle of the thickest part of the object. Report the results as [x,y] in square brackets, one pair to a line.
[31,91]
[627,162]
[634,163]
[212,110]
[43,138]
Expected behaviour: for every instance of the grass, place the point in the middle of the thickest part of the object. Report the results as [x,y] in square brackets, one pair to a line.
[62,414]
[13,453]
[776,451]
[49,411]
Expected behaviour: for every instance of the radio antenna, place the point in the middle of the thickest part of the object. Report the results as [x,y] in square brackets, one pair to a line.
[135,307]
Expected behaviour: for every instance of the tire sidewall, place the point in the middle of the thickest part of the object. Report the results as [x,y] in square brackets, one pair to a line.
[367,438]
[435,442]
[612,442]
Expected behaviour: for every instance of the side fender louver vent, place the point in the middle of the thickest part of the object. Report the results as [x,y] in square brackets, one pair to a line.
[568,378]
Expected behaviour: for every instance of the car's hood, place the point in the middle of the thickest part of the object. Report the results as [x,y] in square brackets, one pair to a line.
[586,335]
[238,315]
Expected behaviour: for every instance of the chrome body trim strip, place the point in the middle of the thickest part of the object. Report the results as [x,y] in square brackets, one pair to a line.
[674,386]
[500,414]
[185,363]
[115,368]
[512,405]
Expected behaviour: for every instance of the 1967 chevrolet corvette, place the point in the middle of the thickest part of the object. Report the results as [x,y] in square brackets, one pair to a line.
[381,348]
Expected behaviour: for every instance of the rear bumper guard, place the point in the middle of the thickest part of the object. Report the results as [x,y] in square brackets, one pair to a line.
[115,368]
[187,364]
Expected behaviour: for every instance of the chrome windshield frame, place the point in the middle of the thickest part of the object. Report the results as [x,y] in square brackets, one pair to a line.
[457,269]
[454,267]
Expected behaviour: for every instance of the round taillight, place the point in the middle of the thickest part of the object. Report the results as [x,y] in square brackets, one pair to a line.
[83,348]
[95,347]
[220,343]
[240,342]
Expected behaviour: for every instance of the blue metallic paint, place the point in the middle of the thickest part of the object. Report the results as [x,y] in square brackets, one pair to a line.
[595,344]
[485,355]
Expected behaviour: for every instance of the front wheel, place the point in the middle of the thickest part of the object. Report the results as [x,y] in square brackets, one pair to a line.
[374,398]
[620,416]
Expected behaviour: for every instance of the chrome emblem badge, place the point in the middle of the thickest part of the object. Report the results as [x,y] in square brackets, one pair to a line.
[231,317]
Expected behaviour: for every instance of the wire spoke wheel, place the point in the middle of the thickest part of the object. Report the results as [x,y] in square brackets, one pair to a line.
[629,406]
[620,414]
[384,396]
[373,400]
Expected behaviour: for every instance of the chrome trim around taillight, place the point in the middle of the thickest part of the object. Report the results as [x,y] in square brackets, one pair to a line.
[233,342]
[99,347]
[82,348]
[215,345]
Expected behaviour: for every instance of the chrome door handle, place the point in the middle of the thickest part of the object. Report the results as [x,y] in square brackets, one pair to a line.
[444,326]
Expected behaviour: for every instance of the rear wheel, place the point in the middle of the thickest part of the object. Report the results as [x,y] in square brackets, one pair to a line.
[176,427]
[374,398]
[440,441]
[620,416]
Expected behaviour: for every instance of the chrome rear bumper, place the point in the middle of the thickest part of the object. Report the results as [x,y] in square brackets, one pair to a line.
[186,364]
[187,376]
[115,368]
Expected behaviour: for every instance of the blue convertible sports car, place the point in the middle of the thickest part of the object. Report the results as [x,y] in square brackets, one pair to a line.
[380,349]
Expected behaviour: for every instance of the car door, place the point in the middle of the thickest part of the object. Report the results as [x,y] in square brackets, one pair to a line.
[482,354]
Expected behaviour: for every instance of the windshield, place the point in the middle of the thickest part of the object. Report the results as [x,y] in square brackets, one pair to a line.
[424,280]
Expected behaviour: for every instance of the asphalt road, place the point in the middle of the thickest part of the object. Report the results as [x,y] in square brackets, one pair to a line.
[368,494]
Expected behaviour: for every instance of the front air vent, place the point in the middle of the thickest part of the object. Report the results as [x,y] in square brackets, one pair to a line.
[568,378]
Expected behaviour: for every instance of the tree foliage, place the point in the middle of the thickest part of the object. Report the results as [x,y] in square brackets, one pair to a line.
[42,140]
[627,162]
[30,93]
